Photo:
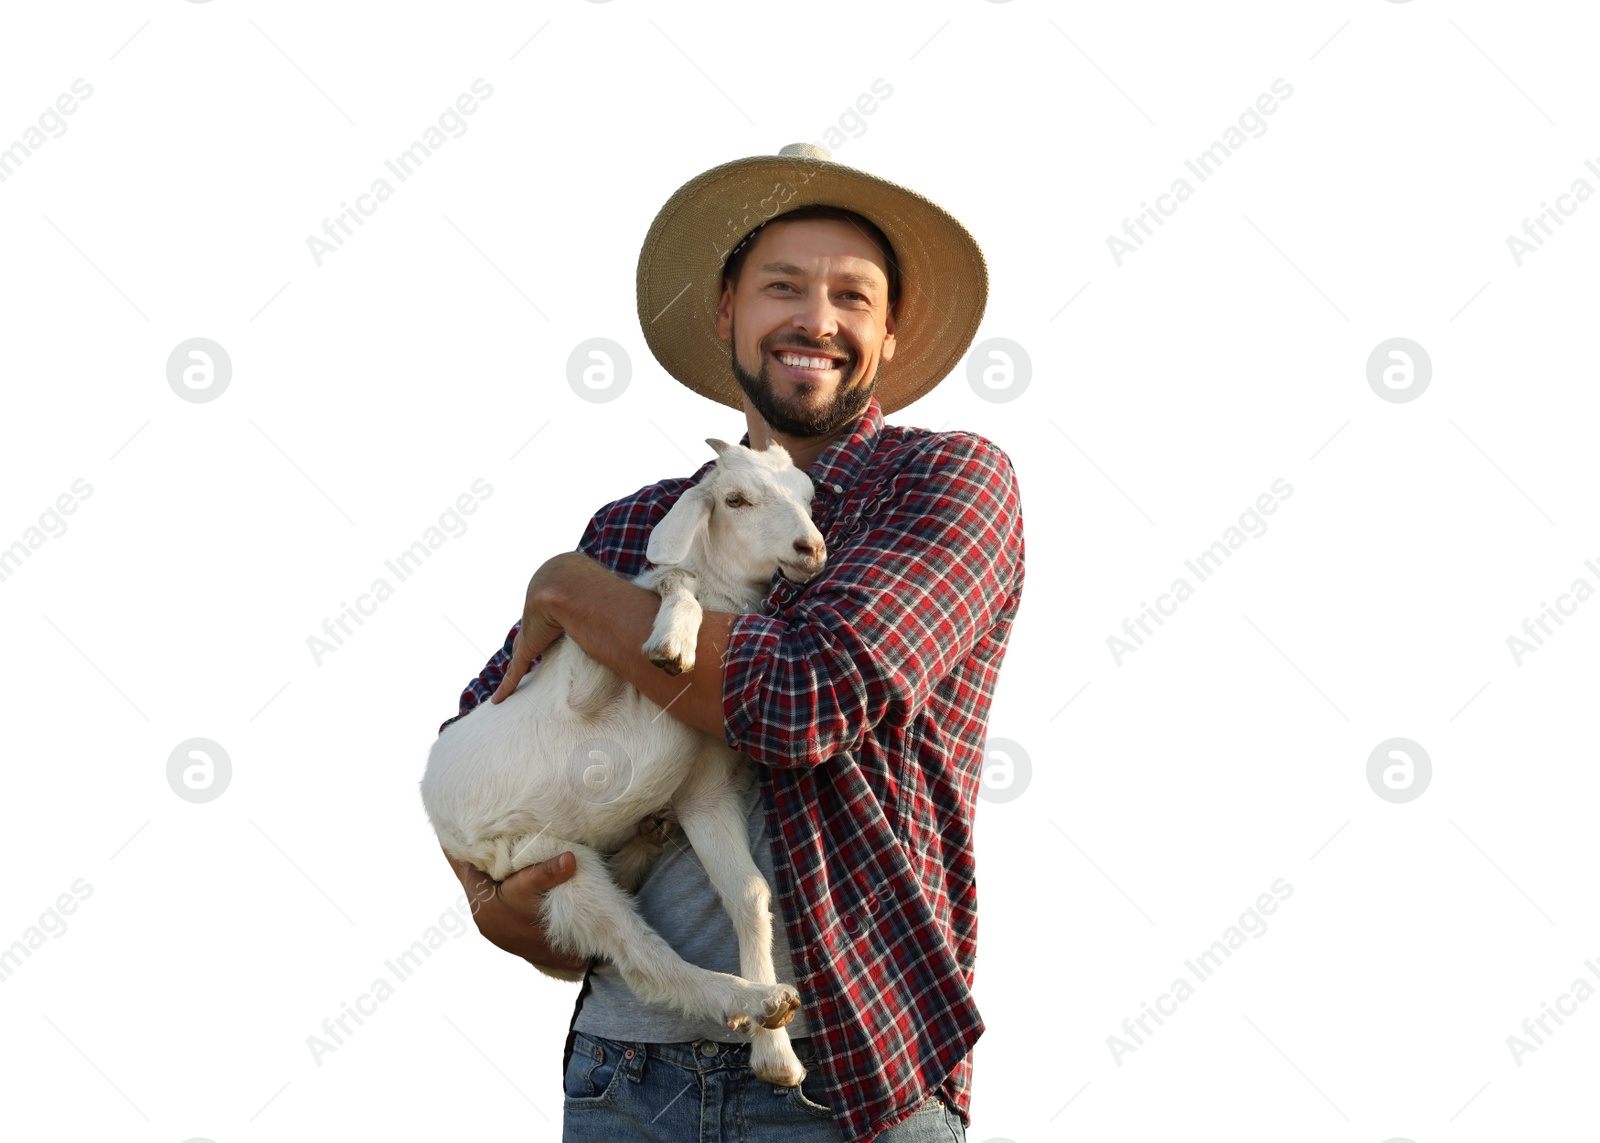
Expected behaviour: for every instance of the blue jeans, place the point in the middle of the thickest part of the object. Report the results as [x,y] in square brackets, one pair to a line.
[704,1092]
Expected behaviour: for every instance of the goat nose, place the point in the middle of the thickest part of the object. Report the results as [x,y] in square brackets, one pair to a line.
[812,551]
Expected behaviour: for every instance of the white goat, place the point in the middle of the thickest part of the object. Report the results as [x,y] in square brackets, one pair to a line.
[577,759]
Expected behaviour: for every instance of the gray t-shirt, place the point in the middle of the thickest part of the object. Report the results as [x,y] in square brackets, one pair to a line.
[678,901]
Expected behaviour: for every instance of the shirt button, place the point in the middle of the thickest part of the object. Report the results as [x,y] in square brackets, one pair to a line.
[708,1049]
[838,487]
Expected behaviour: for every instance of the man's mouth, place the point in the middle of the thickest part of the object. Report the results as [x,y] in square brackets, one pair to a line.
[807,364]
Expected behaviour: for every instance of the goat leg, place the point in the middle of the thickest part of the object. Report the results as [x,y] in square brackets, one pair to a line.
[710,809]
[672,641]
[630,863]
[590,916]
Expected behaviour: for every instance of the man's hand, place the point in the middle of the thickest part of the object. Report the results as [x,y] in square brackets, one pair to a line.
[539,627]
[507,912]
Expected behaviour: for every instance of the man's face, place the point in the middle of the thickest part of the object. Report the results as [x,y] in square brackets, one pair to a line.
[808,289]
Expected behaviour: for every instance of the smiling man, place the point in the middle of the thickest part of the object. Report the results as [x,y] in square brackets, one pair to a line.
[862,695]
[829,280]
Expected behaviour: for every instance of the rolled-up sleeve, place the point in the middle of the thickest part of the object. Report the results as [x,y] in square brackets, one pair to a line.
[899,607]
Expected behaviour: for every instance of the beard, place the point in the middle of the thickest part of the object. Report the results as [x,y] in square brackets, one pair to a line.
[844,408]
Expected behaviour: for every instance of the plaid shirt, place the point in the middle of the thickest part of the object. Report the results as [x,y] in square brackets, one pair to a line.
[864,695]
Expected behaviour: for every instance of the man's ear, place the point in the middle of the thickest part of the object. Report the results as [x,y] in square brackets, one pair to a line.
[888,335]
[688,520]
[725,311]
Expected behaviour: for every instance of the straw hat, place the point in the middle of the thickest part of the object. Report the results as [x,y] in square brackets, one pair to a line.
[944,282]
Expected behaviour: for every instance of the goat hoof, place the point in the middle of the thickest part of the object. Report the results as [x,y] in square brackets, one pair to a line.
[769,1005]
[672,664]
[656,828]
[784,1013]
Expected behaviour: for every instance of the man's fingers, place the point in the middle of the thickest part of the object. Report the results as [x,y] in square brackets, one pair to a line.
[533,638]
[548,874]
[515,669]
[522,886]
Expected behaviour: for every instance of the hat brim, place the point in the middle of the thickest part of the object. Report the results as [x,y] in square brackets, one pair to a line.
[944,280]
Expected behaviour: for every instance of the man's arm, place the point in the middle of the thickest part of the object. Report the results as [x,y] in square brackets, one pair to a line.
[930,574]
[611,618]
[870,639]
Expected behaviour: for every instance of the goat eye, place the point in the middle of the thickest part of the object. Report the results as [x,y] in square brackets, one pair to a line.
[736,501]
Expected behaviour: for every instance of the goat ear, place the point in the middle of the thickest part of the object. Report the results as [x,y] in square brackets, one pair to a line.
[688,519]
[720,446]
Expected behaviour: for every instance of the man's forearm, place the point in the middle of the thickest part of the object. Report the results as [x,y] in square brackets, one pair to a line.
[611,618]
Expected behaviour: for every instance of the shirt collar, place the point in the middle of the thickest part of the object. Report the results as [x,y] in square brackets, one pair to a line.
[839,465]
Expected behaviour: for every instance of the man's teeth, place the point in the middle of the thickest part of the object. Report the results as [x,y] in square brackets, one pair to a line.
[796,361]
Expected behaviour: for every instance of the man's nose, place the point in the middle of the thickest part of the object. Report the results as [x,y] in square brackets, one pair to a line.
[818,317]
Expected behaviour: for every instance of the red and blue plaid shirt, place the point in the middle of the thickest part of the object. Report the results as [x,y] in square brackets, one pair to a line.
[865,695]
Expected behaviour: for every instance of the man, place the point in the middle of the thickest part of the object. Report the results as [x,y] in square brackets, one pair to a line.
[863,696]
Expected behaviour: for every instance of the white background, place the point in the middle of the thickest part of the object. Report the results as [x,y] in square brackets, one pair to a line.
[1167,792]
